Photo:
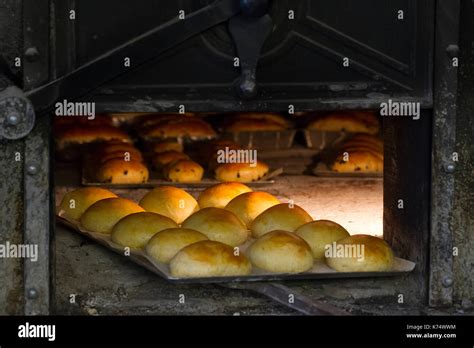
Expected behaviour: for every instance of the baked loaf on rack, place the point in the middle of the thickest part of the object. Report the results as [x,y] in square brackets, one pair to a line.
[220,195]
[209,259]
[241,172]
[185,171]
[281,252]
[120,171]
[283,216]
[101,216]
[75,203]
[219,225]
[167,243]
[361,253]
[135,230]
[249,205]
[345,121]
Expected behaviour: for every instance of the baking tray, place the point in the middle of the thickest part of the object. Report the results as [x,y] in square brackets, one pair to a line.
[266,140]
[319,271]
[155,179]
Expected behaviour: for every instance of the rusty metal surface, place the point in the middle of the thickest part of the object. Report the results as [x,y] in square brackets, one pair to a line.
[11,225]
[443,147]
[463,217]
[37,218]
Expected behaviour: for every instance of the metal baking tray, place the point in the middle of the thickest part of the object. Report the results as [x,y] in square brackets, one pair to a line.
[155,179]
[267,140]
[319,271]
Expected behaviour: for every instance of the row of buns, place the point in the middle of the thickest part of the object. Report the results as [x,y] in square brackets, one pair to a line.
[203,237]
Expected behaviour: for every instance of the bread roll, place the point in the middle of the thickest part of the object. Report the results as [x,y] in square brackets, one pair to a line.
[279,217]
[249,205]
[319,234]
[209,259]
[167,146]
[360,253]
[75,203]
[135,230]
[119,171]
[281,252]
[167,243]
[88,134]
[219,225]
[101,216]
[185,171]
[170,201]
[187,127]
[220,195]
[358,161]
[112,147]
[163,159]
[264,116]
[241,172]
[345,121]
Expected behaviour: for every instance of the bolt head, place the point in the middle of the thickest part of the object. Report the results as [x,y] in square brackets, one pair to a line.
[449,168]
[32,293]
[32,54]
[13,119]
[447,282]
[31,169]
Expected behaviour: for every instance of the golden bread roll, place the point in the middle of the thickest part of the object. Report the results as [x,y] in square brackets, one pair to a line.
[160,160]
[170,201]
[87,134]
[249,125]
[119,171]
[209,259]
[248,206]
[279,217]
[167,146]
[345,121]
[366,140]
[281,252]
[241,172]
[186,171]
[75,203]
[123,155]
[359,161]
[219,225]
[220,195]
[362,148]
[318,234]
[135,230]
[186,128]
[101,216]
[360,253]
[167,243]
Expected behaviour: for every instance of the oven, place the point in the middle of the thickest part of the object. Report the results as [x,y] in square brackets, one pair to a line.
[226,57]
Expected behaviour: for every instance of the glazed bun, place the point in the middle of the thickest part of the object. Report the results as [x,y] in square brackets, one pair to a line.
[101,216]
[119,171]
[75,203]
[353,122]
[279,217]
[281,252]
[241,172]
[220,195]
[85,134]
[183,127]
[218,225]
[122,155]
[185,171]
[170,201]
[361,253]
[318,234]
[209,259]
[167,243]
[249,205]
[358,161]
[135,230]
[112,147]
